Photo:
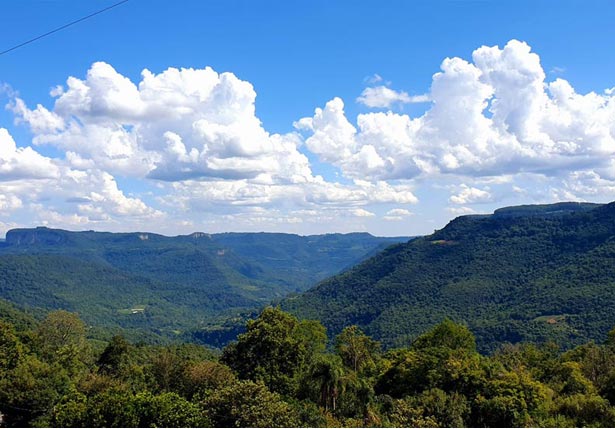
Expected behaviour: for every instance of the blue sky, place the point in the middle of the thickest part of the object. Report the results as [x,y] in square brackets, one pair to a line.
[304,117]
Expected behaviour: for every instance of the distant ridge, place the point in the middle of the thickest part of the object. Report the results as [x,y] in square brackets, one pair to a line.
[168,285]
[545,209]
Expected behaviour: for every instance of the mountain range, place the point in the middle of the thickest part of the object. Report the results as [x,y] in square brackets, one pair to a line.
[153,284]
[527,273]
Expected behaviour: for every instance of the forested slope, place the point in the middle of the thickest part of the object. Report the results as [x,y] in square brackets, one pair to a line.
[161,285]
[531,273]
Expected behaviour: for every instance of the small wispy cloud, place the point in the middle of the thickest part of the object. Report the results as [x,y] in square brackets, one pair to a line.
[382,96]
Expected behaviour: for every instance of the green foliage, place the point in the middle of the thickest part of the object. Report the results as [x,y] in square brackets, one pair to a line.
[274,350]
[114,357]
[249,404]
[167,287]
[439,381]
[309,414]
[72,411]
[358,351]
[513,399]
[112,408]
[444,358]
[16,317]
[586,410]
[30,390]
[168,410]
[325,381]
[407,413]
[11,348]
[448,335]
[165,371]
[432,408]
[526,274]
[201,378]
[61,338]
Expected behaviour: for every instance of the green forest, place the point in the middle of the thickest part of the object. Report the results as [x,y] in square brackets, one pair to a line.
[159,288]
[283,372]
[502,320]
[522,274]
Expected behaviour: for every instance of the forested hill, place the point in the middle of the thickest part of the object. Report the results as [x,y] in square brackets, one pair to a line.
[162,284]
[529,273]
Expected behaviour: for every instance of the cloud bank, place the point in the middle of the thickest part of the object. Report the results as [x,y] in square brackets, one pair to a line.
[185,146]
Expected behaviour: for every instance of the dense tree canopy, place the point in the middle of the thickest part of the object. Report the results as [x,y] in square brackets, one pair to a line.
[525,274]
[281,374]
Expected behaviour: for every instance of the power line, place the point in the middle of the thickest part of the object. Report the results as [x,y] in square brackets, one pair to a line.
[62,27]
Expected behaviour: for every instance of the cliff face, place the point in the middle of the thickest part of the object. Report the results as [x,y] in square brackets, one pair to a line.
[40,235]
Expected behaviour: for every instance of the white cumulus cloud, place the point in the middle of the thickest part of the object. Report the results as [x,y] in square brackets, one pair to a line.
[495,129]
[175,125]
[397,215]
[382,96]
[470,195]
[399,212]
[493,115]
[22,163]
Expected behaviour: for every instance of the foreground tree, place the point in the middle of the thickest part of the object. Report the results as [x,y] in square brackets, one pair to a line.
[358,351]
[275,350]
[61,339]
[326,376]
[30,390]
[249,404]
[114,356]
[11,349]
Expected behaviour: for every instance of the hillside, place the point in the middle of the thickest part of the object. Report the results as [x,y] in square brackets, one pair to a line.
[165,285]
[299,262]
[530,273]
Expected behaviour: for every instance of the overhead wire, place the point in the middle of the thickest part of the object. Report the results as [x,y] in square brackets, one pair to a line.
[63,27]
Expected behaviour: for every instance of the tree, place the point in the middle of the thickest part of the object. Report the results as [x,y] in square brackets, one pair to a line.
[30,390]
[114,356]
[166,371]
[449,410]
[61,337]
[447,334]
[510,399]
[586,410]
[115,407]
[327,375]
[275,350]
[313,336]
[407,412]
[248,404]
[432,408]
[412,371]
[168,410]
[11,348]
[356,349]
[206,376]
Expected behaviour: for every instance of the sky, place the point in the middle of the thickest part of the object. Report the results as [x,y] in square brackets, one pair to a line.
[391,117]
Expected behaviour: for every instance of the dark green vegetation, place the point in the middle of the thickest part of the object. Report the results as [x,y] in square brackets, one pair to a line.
[529,273]
[280,374]
[160,287]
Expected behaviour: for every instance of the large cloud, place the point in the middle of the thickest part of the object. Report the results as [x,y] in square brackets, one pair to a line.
[175,125]
[22,163]
[35,188]
[196,136]
[491,116]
